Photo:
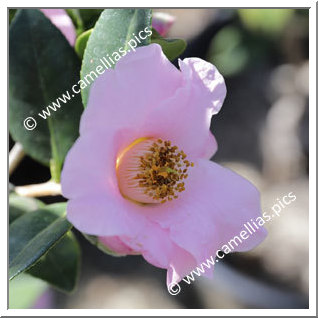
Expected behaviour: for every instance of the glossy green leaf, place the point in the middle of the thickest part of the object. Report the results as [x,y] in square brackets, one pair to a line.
[42,67]
[81,42]
[172,48]
[112,34]
[31,236]
[19,205]
[60,265]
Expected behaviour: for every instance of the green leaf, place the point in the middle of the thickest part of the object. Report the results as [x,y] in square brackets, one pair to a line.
[172,48]
[20,205]
[12,13]
[31,236]
[110,38]
[84,19]
[89,17]
[60,266]
[81,42]
[56,208]
[14,213]
[42,67]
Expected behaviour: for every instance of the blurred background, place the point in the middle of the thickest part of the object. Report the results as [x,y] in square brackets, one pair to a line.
[262,132]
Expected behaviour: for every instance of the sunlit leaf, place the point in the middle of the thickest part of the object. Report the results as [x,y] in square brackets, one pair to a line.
[31,236]
[111,36]
[60,265]
[81,42]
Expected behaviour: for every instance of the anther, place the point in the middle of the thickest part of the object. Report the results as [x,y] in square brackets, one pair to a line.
[152,171]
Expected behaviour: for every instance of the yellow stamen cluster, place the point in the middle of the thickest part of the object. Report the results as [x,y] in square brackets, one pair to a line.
[162,171]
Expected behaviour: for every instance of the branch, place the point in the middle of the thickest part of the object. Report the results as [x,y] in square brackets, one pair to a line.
[49,188]
[15,156]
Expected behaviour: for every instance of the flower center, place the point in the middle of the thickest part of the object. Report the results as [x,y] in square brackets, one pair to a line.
[152,171]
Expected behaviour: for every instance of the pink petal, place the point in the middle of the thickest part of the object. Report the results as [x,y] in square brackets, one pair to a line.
[185,118]
[167,103]
[180,265]
[115,244]
[162,22]
[213,209]
[101,215]
[63,22]
[89,180]
[159,250]
[89,167]
[207,80]
[129,232]
[124,96]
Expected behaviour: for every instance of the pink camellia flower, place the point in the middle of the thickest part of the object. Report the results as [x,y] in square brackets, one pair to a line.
[63,22]
[139,175]
[162,22]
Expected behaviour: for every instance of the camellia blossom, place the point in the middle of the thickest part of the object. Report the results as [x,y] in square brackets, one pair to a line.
[139,175]
[63,22]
